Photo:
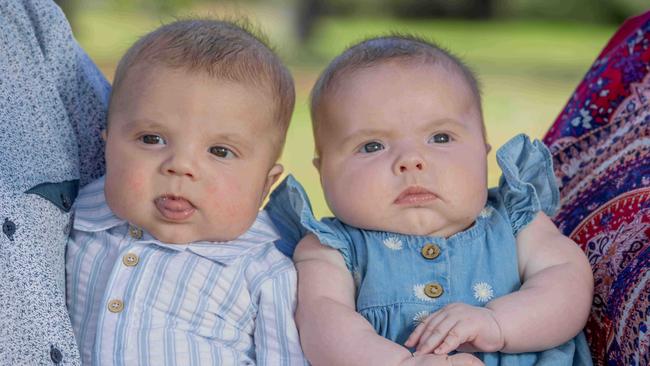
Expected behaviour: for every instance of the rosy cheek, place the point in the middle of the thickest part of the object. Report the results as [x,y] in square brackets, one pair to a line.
[137,184]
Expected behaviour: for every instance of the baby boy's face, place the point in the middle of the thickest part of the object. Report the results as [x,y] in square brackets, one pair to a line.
[189,158]
[402,150]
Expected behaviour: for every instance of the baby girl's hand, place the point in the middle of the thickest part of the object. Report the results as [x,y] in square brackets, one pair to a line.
[455,325]
[459,359]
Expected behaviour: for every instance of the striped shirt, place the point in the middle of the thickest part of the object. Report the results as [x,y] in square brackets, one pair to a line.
[136,301]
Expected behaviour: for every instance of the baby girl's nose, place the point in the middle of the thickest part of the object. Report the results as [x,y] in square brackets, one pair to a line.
[410,164]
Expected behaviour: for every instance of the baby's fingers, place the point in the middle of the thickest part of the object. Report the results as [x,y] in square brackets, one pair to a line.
[464,359]
[434,334]
[415,336]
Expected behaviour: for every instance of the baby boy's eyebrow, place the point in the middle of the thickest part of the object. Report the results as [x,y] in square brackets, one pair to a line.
[140,123]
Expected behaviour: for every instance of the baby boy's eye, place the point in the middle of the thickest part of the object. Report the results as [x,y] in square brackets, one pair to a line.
[152,140]
[440,138]
[222,152]
[371,147]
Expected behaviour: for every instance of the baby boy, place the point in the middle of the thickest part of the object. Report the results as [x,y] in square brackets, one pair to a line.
[170,260]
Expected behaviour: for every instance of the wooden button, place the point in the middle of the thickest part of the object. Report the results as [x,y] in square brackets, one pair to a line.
[430,251]
[115,306]
[433,290]
[130,259]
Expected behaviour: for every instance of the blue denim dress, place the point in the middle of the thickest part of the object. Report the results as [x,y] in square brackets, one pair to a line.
[400,279]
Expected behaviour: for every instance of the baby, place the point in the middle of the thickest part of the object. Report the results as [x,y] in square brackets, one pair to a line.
[421,253]
[170,260]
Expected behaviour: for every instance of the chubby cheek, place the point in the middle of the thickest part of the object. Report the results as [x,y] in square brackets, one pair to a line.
[231,200]
[354,197]
[125,189]
[467,188]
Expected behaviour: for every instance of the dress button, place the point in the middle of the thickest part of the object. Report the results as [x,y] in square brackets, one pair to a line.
[115,306]
[430,251]
[433,290]
[135,232]
[55,355]
[9,228]
[130,259]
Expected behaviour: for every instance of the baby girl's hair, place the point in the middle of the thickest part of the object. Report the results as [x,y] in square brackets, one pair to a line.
[229,50]
[376,50]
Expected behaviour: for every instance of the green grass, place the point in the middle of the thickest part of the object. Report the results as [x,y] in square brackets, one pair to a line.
[527,69]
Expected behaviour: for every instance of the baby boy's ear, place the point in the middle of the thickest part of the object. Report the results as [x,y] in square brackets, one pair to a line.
[104,135]
[272,177]
[488,148]
[316,162]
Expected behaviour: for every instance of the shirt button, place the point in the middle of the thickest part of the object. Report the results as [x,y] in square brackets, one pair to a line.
[65,202]
[433,290]
[55,355]
[130,259]
[9,228]
[115,306]
[430,251]
[135,232]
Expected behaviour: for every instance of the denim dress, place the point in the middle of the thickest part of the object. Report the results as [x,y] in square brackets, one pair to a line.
[401,279]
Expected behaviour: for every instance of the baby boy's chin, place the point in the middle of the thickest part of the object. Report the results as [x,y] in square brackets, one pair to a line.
[174,234]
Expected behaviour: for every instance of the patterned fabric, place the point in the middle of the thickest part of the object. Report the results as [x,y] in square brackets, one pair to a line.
[52,108]
[136,301]
[601,149]
[400,279]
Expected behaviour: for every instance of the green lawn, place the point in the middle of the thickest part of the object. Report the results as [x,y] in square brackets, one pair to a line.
[527,69]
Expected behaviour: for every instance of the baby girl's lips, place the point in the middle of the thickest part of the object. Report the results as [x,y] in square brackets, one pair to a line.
[415,196]
[174,208]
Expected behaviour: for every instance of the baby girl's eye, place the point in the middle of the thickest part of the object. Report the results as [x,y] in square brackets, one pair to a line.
[371,147]
[440,138]
[152,140]
[222,152]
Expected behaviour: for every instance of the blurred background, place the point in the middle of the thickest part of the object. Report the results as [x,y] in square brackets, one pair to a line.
[529,54]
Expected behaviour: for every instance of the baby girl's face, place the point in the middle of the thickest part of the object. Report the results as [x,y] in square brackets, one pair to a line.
[189,158]
[402,149]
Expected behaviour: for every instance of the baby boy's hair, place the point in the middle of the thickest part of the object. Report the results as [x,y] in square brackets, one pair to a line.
[229,50]
[376,50]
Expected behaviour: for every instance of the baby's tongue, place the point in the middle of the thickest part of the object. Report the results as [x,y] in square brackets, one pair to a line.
[174,208]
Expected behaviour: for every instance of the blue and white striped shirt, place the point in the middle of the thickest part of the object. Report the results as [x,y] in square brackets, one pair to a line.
[136,301]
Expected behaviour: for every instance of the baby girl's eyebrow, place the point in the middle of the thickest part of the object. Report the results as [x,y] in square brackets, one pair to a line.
[365,133]
[444,123]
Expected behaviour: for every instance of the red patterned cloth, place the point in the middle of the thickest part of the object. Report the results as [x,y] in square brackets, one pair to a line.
[601,149]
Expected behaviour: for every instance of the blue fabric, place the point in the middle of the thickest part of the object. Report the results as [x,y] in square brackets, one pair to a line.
[474,266]
[52,109]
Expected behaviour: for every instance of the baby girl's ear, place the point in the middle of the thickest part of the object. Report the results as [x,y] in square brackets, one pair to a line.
[104,135]
[488,148]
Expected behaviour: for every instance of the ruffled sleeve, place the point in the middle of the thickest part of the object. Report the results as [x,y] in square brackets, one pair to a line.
[291,212]
[528,184]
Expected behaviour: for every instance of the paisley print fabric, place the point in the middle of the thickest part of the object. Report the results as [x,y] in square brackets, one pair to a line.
[601,149]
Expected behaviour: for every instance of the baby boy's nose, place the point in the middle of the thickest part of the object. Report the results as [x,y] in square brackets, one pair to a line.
[179,165]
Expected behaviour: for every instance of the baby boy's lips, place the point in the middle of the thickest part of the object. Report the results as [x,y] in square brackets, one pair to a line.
[174,208]
[415,196]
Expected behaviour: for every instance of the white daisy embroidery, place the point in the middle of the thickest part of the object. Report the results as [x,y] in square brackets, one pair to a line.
[418,291]
[483,292]
[393,243]
[419,317]
[486,212]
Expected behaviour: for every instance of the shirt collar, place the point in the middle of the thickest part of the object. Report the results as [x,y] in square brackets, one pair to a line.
[92,214]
